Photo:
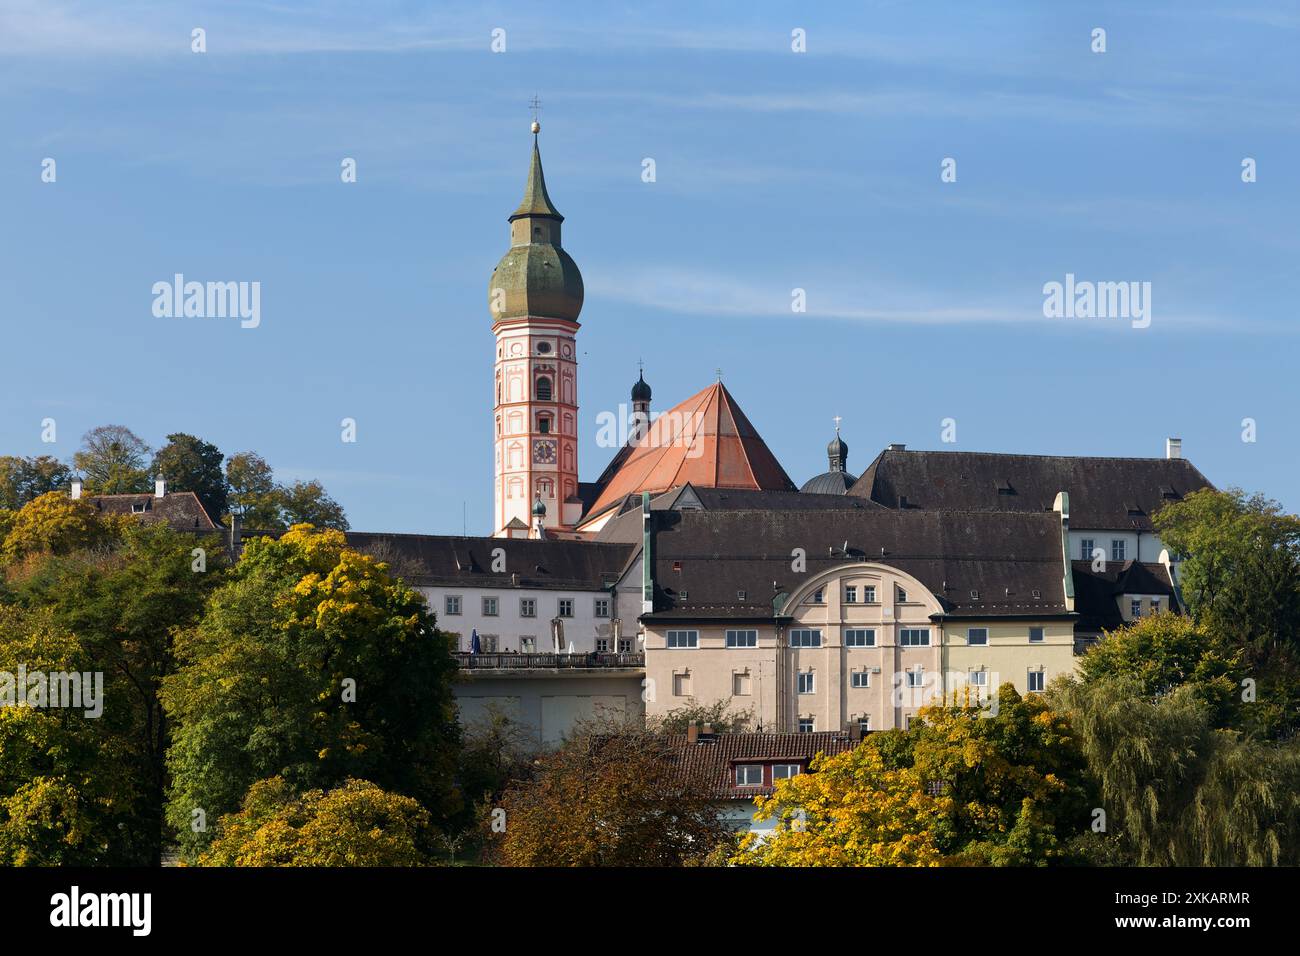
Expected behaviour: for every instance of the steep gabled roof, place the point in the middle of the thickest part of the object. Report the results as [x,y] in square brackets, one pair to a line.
[715,757]
[180,509]
[705,441]
[1105,493]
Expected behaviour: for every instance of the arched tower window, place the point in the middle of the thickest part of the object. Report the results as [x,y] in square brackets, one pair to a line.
[543,389]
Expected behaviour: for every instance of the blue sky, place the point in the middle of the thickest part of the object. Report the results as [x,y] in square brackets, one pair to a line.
[775,170]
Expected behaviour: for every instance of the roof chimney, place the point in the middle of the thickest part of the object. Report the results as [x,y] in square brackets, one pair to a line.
[692,733]
[1173,448]
[76,488]
[159,487]
[897,446]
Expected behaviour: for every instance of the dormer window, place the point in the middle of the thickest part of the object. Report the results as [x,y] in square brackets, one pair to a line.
[140,508]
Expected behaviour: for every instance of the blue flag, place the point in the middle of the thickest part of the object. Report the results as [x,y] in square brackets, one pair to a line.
[474,646]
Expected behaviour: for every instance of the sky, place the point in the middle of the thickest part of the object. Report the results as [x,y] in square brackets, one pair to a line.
[775,170]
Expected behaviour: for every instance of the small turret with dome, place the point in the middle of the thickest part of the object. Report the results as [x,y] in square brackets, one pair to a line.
[837,480]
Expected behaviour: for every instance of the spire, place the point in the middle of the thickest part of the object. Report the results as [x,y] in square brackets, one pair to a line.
[837,452]
[536,202]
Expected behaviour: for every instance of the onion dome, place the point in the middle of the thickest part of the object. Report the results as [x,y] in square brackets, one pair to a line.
[536,277]
[640,390]
[836,480]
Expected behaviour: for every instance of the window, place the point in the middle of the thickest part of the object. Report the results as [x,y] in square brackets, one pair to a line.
[624,645]
[1086,546]
[915,678]
[681,685]
[451,604]
[860,679]
[806,725]
[1117,549]
[806,684]
[489,607]
[543,389]
[1135,607]
[860,637]
[139,509]
[978,678]
[804,637]
[901,595]
[1036,681]
[527,644]
[488,642]
[742,638]
[602,645]
[602,607]
[741,685]
[977,635]
[749,775]
[564,607]
[1035,635]
[864,724]
[818,597]
[544,424]
[683,639]
[742,596]
[914,637]
[784,771]
[528,607]
[1155,605]
[869,594]
[850,595]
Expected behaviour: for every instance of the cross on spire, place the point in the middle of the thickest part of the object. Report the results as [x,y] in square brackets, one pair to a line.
[535,104]
[719,371]
[837,424]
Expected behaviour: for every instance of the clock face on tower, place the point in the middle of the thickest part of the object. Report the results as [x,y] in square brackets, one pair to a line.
[544,451]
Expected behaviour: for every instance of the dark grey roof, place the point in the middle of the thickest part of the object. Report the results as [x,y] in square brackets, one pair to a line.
[558,564]
[1095,592]
[180,509]
[711,556]
[626,525]
[715,757]
[829,483]
[1105,493]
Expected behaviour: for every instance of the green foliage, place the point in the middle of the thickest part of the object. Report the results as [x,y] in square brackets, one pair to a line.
[1177,791]
[963,786]
[112,461]
[719,715]
[23,479]
[267,506]
[261,687]
[1166,651]
[191,464]
[356,824]
[305,502]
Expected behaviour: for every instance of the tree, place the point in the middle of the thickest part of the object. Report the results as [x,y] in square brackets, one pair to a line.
[1241,580]
[23,479]
[191,464]
[67,795]
[252,491]
[311,663]
[355,824]
[1166,651]
[305,502]
[1176,790]
[124,606]
[963,786]
[610,796]
[56,524]
[719,715]
[112,461]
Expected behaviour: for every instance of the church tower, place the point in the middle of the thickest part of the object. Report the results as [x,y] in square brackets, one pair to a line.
[534,296]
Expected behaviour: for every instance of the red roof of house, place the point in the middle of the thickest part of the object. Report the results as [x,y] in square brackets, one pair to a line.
[706,441]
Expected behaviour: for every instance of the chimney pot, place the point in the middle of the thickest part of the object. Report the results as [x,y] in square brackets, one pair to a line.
[692,733]
[159,487]
[897,446]
[76,488]
[1173,448]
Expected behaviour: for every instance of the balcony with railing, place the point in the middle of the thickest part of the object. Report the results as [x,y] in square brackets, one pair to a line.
[593,660]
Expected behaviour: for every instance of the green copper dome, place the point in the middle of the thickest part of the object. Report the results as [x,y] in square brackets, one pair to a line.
[536,277]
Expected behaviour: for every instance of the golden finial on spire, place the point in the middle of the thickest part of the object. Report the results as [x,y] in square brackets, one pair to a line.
[536,106]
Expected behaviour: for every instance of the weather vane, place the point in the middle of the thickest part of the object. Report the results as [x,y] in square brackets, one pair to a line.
[536,106]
